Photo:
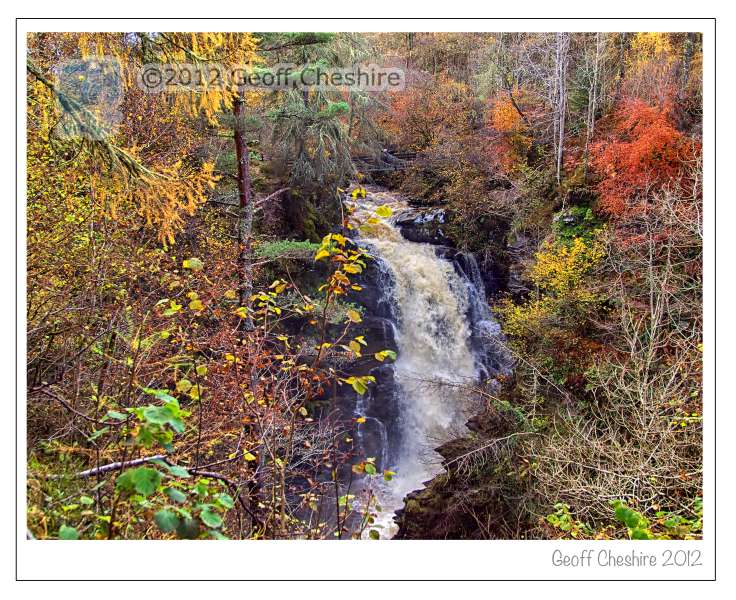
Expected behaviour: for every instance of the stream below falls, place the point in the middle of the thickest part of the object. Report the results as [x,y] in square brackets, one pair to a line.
[434,306]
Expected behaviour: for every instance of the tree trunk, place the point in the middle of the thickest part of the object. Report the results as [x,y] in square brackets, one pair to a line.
[687,59]
[563,43]
[592,101]
[245,212]
[623,43]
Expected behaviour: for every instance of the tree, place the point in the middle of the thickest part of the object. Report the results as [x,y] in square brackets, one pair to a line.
[229,50]
[562,45]
[594,68]
[162,192]
[643,152]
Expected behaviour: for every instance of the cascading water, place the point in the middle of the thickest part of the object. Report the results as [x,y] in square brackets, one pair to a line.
[438,315]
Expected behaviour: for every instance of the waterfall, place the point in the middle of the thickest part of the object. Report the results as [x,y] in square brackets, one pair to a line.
[440,315]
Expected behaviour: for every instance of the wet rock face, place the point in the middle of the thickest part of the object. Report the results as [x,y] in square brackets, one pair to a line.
[494,274]
[431,226]
[424,226]
[379,406]
[449,507]
[520,253]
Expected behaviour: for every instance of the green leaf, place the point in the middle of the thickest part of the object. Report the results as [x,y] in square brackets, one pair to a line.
[118,416]
[358,383]
[178,471]
[176,495]
[210,517]
[370,468]
[640,534]
[143,480]
[374,535]
[86,500]
[226,500]
[632,520]
[164,415]
[97,433]
[622,512]
[161,395]
[166,520]
[68,533]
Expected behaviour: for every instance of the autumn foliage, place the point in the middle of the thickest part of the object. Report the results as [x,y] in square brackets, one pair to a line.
[179,307]
[425,114]
[643,152]
[513,141]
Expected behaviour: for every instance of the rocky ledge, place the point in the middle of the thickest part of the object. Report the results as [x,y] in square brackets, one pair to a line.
[473,498]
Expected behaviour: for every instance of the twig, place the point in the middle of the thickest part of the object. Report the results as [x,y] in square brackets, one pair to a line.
[70,408]
[116,466]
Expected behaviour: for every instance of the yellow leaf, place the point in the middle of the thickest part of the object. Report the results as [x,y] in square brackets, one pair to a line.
[193,263]
[249,457]
[321,254]
[278,286]
[354,316]
[384,211]
[230,295]
[383,354]
[183,385]
[196,305]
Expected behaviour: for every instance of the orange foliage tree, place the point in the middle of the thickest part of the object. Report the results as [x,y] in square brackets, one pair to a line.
[425,113]
[642,154]
[514,141]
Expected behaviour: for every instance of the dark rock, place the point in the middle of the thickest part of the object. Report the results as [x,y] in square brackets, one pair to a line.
[425,226]
[450,505]
[520,254]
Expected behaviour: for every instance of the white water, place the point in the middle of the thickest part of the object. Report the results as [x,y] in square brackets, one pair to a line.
[435,359]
